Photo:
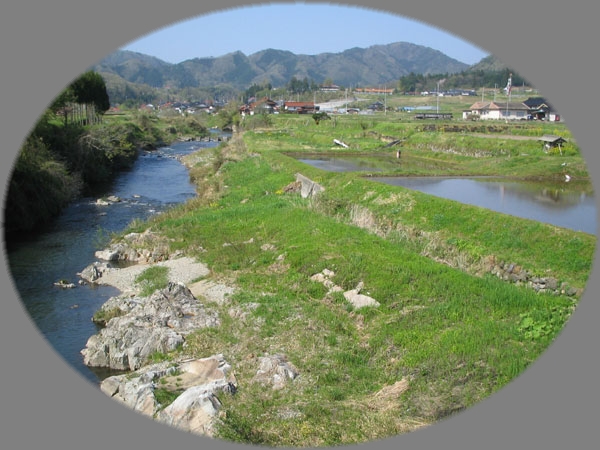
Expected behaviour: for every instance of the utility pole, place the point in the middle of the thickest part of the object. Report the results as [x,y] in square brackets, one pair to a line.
[346,109]
[385,100]
[508,92]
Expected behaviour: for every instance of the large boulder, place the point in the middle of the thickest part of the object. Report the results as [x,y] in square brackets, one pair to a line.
[146,325]
[197,383]
[309,188]
[193,411]
[137,247]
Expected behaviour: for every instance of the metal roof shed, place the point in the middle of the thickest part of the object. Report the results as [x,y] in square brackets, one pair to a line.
[552,140]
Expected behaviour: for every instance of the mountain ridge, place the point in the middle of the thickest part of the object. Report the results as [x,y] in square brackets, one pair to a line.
[370,66]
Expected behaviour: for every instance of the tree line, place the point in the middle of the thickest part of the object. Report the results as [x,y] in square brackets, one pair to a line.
[471,79]
[68,152]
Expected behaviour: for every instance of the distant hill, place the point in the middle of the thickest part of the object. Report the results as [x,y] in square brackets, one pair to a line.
[372,66]
[489,64]
[490,72]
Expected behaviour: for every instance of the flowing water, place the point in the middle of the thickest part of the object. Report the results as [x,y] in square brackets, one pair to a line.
[63,316]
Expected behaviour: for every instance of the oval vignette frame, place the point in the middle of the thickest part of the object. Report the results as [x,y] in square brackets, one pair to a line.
[537,410]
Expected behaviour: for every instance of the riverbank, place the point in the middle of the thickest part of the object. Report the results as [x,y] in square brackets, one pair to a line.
[60,162]
[455,312]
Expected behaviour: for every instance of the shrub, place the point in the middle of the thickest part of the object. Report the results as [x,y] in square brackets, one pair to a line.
[102,316]
[38,175]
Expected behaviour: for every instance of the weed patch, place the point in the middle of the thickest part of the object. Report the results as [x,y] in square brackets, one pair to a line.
[152,279]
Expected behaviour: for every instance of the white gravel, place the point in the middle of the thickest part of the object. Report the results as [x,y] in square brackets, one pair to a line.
[182,269]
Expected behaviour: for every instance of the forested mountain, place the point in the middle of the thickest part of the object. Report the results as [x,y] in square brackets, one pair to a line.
[488,64]
[372,66]
[490,72]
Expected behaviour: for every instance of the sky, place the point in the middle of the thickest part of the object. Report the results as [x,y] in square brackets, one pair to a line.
[206,35]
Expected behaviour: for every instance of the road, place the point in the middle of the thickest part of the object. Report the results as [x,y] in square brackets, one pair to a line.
[333,104]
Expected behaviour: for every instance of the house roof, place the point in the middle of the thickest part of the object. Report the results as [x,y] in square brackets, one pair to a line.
[551,138]
[513,106]
[264,100]
[536,102]
[479,105]
[539,104]
[299,104]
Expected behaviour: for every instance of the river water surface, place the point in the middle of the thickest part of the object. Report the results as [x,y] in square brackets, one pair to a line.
[63,316]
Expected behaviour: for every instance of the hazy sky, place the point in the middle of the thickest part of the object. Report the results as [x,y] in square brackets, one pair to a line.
[306,29]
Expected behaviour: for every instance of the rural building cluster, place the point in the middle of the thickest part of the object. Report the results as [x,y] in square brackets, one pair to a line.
[534,108]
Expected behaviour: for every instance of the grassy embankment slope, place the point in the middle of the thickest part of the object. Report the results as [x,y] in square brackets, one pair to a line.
[446,334]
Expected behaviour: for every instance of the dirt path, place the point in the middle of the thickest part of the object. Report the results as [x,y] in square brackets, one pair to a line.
[504,136]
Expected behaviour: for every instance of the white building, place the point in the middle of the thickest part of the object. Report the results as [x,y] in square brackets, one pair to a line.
[497,111]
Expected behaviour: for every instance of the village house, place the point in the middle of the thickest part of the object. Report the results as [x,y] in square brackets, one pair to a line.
[540,109]
[262,106]
[301,107]
[497,111]
[534,108]
[377,106]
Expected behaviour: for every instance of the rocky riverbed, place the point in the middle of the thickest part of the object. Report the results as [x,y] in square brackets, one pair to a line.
[182,392]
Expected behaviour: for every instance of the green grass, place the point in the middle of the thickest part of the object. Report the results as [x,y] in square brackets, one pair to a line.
[165,396]
[452,333]
[152,279]
[102,316]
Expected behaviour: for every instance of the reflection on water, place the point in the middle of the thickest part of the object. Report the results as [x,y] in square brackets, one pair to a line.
[385,162]
[570,205]
[570,208]
[341,165]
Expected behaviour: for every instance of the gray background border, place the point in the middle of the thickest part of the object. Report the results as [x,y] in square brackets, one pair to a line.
[43,45]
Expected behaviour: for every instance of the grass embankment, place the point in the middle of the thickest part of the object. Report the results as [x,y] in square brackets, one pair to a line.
[442,338]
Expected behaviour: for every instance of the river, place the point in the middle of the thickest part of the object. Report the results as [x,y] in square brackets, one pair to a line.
[156,182]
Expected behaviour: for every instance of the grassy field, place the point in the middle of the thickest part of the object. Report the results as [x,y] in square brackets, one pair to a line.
[446,334]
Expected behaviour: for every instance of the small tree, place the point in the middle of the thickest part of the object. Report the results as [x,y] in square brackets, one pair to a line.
[85,99]
[61,104]
[317,117]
